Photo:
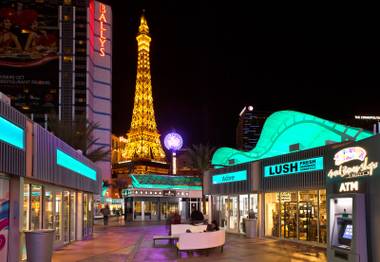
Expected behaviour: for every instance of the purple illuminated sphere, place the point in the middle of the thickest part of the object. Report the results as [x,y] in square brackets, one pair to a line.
[173,141]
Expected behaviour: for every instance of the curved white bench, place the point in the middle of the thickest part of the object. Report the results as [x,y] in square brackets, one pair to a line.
[178,229]
[205,240]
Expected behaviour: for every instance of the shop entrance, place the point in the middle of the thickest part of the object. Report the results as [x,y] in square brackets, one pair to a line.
[145,210]
[289,220]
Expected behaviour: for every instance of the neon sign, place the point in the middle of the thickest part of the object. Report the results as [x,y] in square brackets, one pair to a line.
[348,154]
[301,166]
[349,186]
[230,177]
[102,29]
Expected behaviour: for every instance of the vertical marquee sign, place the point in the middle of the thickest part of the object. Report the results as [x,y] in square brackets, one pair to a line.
[102,29]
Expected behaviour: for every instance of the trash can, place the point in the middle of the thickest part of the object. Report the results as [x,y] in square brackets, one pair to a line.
[250,227]
[39,245]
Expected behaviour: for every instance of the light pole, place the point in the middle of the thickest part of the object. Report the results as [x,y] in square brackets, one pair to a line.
[173,142]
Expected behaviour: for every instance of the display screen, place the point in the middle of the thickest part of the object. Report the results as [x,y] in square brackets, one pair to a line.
[347,232]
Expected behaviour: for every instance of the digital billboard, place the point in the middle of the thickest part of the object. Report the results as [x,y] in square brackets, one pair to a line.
[29,41]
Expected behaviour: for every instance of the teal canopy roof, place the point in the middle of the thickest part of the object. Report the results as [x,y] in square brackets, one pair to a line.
[166,182]
[285,128]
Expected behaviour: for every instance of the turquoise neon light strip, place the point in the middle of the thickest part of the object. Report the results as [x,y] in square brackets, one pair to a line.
[302,166]
[285,128]
[136,184]
[230,177]
[71,163]
[11,134]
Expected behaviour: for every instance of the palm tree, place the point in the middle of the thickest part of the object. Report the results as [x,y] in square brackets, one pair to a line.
[79,134]
[200,159]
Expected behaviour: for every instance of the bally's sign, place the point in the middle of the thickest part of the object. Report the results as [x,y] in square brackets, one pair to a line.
[301,166]
[230,177]
[345,155]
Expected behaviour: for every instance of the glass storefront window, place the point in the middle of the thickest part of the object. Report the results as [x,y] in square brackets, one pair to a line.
[65,217]
[288,202]
[223,211]
[26,209]
[322,217]
[58,216]
[243,211]
[138,210]
[308,215]
[233,213]
[272,212]
[253,204]
[85,215]
[48,210]
[35,217]
[72,215]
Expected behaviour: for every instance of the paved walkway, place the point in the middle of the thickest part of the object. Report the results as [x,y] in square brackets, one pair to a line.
[133,243]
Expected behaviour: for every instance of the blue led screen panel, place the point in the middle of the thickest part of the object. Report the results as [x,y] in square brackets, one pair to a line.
[11,134]
[74,165]
[230,177]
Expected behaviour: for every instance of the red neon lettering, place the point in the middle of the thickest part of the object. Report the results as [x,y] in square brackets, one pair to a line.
[102,38]
[101,52]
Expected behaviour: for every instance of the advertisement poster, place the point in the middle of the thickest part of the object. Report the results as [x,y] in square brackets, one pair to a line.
[29,43]
[4,218]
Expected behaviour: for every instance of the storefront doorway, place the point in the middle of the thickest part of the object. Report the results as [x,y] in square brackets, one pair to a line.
[230,211]
[298,215]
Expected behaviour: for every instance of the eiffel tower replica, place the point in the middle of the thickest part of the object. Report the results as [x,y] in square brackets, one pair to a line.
[143,152]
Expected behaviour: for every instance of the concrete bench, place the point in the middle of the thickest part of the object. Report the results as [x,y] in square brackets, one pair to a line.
[204,240]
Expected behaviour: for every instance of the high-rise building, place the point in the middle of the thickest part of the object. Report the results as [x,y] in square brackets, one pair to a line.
[141,152]
[58,60]
[249,128]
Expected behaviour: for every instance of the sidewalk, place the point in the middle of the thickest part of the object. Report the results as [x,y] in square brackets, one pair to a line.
[133,242]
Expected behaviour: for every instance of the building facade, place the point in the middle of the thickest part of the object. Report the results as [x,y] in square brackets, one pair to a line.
[249,128]
[286,191]
[44,184]
[60,63]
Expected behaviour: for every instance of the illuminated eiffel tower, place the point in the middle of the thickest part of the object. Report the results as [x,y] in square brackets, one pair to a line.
[143,143]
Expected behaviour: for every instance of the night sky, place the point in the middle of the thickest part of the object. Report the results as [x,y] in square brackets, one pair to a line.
[209,60]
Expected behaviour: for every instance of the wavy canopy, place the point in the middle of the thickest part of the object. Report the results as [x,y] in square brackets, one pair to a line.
[285,128]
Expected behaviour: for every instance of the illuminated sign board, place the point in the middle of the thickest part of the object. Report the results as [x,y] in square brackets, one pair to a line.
[74,165]
[349,154]
[11,134]
[349,186]
[230,177]
[102,29]
[301,166]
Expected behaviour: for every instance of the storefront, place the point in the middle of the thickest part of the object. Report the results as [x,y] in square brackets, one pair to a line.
[234,194]
[155,197]
[44,184]
[353,193]
[294,197]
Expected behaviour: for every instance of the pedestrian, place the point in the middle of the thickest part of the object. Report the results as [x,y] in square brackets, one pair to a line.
[106,212]
[196,216]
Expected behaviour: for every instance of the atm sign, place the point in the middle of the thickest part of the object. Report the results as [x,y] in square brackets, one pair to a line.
[301,166]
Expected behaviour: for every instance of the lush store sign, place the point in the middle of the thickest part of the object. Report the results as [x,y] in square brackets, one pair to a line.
[301,166]
[230,177]
[363,168]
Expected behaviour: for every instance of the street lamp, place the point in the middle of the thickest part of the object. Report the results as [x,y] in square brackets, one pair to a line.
[173,142]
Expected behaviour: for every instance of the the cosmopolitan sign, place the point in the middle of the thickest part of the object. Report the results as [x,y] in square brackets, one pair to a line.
[230,177]
[102,29]
[301,166]
[349,154]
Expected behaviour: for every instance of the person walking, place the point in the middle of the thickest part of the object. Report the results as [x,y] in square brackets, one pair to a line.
[106,212]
